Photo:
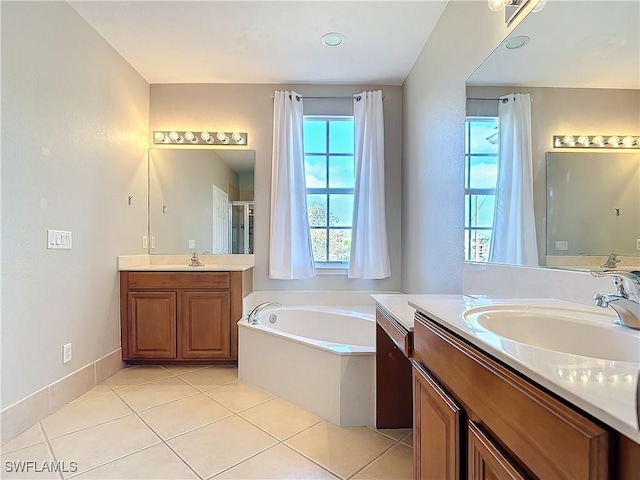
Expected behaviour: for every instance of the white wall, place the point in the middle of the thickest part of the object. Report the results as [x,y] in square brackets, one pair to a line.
[433,145]
[74,146]
[248,108]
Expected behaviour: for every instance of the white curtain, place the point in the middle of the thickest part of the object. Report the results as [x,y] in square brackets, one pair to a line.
[514,232]
[290,254]
[369,250]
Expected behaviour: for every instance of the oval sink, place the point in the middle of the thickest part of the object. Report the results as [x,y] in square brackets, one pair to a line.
[563,330]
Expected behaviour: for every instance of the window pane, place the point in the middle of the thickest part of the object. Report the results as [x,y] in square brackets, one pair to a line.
[315,136]
[341,137]
[484,138]
[480,242]
[339,245]
[319,244]
[483,172]
[482,207]
[315,171]
[341,174]
[317,210]
[340,210]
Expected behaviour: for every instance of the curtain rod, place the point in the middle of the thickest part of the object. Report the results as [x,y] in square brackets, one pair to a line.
[343,97]
[504,100]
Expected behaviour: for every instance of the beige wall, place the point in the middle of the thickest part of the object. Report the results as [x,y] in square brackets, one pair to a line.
[74,143]
[433,146]
[567,111]
[243,107]
[183,180]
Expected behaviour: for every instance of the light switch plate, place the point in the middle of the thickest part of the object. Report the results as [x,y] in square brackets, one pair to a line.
[638,244]
[59,240]
[192,244]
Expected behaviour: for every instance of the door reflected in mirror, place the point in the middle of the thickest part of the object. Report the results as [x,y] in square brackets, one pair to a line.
[201,200]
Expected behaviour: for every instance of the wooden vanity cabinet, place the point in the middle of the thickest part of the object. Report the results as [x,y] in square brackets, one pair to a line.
[181,317]
[476,418]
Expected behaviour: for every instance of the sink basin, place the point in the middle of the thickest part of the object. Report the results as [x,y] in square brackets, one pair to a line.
[570,331]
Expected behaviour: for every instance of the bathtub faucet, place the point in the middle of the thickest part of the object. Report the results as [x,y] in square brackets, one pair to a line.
[252,318]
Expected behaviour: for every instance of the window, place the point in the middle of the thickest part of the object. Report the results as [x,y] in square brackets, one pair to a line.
[481,173]
[329,178]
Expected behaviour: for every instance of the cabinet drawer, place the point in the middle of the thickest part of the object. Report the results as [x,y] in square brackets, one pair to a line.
[547,436]
[178,280]
[401,337]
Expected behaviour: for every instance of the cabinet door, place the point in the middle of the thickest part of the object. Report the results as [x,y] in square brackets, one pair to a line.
[152,325]
[436,424]
[486,461]
[205,325]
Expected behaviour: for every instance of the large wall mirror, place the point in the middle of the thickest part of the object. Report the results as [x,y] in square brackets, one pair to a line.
[201,200]
[579,63]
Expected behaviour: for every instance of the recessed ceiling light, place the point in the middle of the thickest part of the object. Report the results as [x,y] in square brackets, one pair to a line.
[333,39]
[514,43]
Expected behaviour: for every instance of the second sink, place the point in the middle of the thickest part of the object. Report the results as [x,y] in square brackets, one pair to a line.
[570,331]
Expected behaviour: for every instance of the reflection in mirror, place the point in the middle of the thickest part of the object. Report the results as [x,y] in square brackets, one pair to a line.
[201,201]
[593,203]
[580,68]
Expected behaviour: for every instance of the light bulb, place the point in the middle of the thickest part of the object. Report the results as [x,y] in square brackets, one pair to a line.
[222,137]
[568,140]
[191,137]
[497,5]
[158,137]
[583,140]
[176,137]
[613,141]
[206,136]
[628,141]
[539,6]
[237,138]
[598,140]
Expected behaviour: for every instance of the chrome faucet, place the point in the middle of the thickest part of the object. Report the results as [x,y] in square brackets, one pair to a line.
[252,318]
[195,261]
[611,262]
[626,300]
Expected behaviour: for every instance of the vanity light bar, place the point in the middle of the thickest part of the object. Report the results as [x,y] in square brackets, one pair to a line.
[191,137]
[595,141]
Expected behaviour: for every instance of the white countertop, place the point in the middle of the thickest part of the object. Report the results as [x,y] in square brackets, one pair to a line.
[612,402]
[398,307]
[186,268]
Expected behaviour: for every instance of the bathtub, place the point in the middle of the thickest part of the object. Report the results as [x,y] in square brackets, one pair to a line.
[317,357]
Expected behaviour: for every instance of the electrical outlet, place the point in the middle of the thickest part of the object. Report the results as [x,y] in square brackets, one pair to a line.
[192,244]
[153,242]
[145,241]
[638,244]
[66,353]
[562,245]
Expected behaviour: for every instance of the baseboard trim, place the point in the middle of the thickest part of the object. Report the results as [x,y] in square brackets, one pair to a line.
[25,413]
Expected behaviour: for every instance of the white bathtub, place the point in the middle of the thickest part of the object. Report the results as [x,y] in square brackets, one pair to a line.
[320,358]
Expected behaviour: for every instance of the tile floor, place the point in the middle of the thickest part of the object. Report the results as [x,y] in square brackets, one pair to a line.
[198,423]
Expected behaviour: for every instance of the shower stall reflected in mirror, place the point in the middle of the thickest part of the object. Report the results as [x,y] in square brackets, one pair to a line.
[241,227]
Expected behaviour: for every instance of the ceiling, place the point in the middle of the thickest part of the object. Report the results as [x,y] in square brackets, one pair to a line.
[265,41]
[587,44]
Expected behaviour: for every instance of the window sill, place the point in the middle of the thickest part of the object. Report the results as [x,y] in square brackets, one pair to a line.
[332,269]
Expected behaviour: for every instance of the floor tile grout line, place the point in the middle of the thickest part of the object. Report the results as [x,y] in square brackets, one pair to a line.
[242,461]
[373,460]
[162,441]
[310,459]
[113,460]
[53,454]
[21,448]
[197,428]
[102,422]
[170,447]
[283,439]
[314,461]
